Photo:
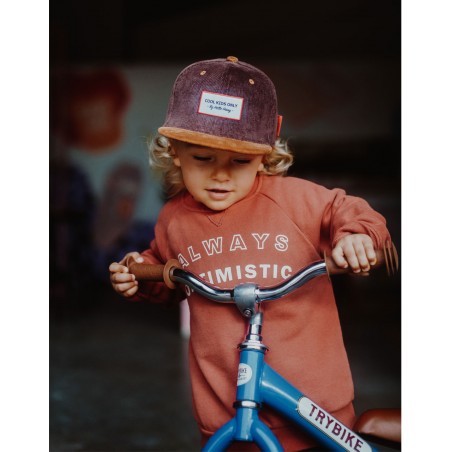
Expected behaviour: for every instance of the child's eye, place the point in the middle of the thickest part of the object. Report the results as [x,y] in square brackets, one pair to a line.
[201,158]
[242,161]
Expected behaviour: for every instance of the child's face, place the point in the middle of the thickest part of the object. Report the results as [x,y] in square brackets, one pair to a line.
[214,177]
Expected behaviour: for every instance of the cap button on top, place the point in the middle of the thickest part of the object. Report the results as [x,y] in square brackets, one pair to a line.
[233,59]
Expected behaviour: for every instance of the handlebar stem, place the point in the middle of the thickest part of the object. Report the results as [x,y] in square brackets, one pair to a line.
[253,339]
[245,298]
[255,327]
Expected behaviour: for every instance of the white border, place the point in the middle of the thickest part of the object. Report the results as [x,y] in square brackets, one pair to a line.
[24,323]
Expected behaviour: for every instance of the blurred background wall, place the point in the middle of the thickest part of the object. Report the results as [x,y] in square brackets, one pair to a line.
[336,68]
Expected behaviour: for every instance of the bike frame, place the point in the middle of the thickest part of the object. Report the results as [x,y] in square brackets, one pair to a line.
[257,385]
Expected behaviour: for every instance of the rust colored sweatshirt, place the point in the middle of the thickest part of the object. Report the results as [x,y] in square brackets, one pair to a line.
[282,225]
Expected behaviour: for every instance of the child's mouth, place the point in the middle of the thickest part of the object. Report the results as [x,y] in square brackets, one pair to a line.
[218,194]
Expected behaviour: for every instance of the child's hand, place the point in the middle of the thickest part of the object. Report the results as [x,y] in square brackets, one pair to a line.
[122,281]
[355,251]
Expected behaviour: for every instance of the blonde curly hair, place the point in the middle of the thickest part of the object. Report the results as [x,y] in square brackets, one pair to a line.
[161,153]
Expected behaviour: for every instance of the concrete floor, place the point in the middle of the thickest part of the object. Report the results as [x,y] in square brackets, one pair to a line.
[119,377]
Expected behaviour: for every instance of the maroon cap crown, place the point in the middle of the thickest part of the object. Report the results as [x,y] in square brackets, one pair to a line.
[223,103]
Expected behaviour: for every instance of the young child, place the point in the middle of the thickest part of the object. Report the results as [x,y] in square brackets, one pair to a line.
[232,217]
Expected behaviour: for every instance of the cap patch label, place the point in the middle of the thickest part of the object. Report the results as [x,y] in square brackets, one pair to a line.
[214,104]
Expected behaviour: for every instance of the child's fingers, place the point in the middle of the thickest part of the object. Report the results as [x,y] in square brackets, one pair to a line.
[352,258]
[126,289]
[365,253]
[118,278]
[370,252]
[116,267]
[361,255]
[122,281]
[338,257]
[346,247]
[132,291]
[348,254]
[357,250]
[137,257]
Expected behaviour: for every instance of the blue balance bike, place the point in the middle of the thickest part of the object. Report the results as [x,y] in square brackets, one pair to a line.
[258,385]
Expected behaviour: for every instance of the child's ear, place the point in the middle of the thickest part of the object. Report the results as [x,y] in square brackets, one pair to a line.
[176,160]
[260,167]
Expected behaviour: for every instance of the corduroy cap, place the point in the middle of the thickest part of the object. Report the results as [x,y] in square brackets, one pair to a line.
[226,104]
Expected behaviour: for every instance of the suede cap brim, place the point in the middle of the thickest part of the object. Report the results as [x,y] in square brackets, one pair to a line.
[212,141]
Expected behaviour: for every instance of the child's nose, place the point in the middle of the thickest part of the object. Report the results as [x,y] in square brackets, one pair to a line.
[221,173]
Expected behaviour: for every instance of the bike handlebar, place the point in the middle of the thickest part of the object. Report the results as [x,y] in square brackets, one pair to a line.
[171,273]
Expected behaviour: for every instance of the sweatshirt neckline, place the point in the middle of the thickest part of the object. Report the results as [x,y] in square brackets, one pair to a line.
[191,204]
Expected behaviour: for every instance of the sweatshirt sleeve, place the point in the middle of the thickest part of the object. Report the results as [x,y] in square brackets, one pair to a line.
[157,292]
[326,215]
[346,214]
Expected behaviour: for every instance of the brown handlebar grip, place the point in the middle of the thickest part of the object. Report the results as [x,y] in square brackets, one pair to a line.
[152,272]
[386,255]
[145,272]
